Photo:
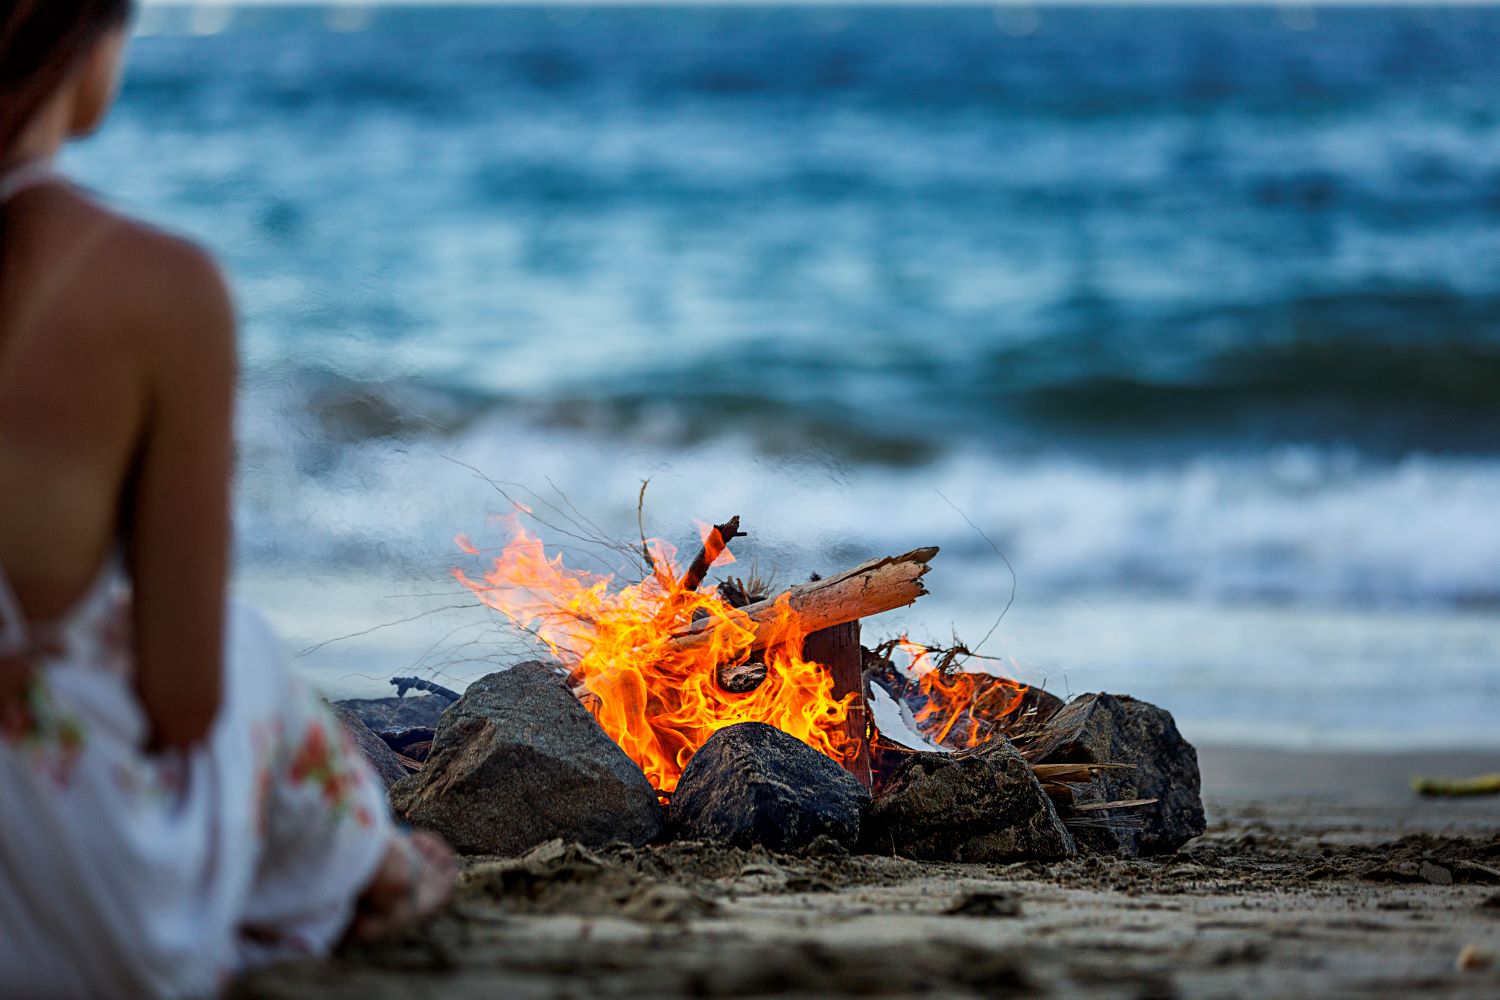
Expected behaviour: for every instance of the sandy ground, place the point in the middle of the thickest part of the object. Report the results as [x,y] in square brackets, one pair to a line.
[1320,876]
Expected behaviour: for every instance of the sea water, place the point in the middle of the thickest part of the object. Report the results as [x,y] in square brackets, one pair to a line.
[1189,317]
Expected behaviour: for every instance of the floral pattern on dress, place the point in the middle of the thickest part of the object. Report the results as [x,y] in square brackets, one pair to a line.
[325,762]
[114,634]
[35,726]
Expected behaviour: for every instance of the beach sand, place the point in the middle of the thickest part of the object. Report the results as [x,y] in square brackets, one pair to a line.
[1320,875]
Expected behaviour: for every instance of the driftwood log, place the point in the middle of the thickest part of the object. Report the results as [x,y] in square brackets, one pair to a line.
[878,585]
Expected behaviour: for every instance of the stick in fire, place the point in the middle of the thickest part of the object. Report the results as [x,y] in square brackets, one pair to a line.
[714,544]
[876,586]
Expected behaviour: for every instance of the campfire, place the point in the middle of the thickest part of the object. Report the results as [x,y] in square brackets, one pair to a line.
[665,663]
[759,717]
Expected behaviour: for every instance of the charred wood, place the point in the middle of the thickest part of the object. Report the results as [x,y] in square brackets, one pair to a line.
[719,537]
[838,649]
[741,678]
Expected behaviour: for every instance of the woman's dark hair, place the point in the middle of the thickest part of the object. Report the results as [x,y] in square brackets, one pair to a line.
[41,42]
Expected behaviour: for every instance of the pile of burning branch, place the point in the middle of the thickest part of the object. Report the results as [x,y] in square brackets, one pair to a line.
[701,684]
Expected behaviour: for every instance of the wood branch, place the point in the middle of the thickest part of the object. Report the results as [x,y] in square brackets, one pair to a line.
[739,678]
[719,537]
[876,586]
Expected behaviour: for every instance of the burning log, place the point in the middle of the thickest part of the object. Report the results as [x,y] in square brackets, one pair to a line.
[838,649]
[876,586]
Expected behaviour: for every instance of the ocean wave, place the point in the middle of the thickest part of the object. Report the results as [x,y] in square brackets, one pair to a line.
[1288,523]
[1386,373]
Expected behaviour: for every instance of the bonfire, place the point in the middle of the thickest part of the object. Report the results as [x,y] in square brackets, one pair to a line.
[665,662]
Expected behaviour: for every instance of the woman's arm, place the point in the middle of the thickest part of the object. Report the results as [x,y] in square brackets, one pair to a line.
[179,529]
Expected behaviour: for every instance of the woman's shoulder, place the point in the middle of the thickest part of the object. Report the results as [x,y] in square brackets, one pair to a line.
[167,287]
[143,258]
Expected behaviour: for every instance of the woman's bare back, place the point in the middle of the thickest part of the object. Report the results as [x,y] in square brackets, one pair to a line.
[116,384]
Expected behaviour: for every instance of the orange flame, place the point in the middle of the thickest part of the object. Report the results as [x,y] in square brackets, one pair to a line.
[659,703]
[963,709]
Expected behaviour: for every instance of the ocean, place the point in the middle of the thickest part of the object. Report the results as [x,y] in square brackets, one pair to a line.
[1191,315]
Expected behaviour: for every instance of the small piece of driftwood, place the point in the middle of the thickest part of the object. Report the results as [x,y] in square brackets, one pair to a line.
[405,684]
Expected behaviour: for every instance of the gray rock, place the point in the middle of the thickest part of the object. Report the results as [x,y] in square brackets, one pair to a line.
[418,711]
[517,762]
[752,784]
[1115,729]
[988,807]
[374,749]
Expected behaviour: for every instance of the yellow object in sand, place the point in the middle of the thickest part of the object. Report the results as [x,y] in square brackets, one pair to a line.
[1485,784]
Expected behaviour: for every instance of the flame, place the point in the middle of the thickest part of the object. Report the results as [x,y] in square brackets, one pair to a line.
[659,703]
[962,709]
[714,545]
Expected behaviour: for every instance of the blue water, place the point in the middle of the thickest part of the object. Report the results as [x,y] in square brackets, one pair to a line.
[1196,313]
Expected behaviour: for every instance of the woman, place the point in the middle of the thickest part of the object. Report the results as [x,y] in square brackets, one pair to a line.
[175,806]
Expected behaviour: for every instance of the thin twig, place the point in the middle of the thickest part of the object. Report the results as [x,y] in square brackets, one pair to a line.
[640,522]
[1003,559]
[376,628]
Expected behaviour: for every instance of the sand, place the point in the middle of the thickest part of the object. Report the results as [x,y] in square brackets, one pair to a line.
[1320,876]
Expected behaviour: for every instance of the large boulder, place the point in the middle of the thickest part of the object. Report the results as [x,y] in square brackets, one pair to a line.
[418,711]
[518,761]
[1116,729]
[381,758]
[752,784]
[985,807]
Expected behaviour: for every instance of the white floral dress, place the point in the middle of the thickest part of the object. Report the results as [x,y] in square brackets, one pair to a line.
[133,874]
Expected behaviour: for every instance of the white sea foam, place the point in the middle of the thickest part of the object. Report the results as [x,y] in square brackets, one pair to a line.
[1297,596]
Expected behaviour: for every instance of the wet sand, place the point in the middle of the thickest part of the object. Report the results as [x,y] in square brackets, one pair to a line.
[1321,875]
